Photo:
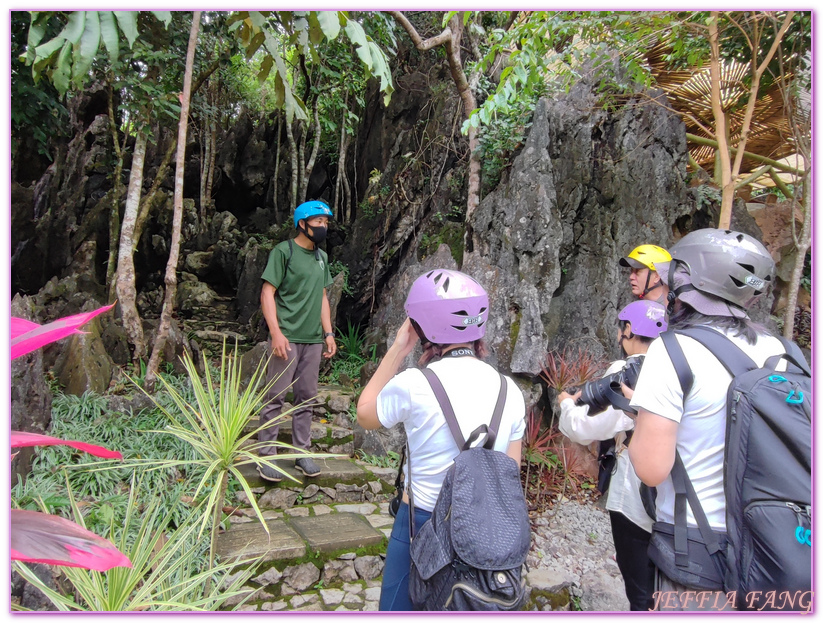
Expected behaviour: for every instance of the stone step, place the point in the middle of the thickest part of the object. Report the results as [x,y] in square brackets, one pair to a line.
[333,471]
[296,537]
[325,436]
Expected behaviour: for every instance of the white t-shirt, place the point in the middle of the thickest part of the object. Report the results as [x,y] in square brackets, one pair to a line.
[472,387]
[624,488]
[701,434]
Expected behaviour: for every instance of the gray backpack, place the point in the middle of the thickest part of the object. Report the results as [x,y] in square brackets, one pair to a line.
[470,554]
[767,479]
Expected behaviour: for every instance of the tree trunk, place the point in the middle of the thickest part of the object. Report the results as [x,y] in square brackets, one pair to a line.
[148,198]
[177,221]
[728,170]
[294,168]
[721,132]
[114,216]
[205,160]
[313,157]
[340,207]
[301,163]
[126,289]
[450,38]
[276,165]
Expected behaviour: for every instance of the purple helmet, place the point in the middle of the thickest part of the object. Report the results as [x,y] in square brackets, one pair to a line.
[449,306]
[647,318]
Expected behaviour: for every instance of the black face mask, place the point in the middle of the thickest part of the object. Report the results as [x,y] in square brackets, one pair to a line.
[317,235]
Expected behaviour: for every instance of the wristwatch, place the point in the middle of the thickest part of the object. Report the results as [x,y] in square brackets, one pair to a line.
[329,334]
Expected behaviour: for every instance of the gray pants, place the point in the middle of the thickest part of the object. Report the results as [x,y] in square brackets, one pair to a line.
[300,372]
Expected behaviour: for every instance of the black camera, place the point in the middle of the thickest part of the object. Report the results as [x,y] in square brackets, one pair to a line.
[394,505]
[599,394]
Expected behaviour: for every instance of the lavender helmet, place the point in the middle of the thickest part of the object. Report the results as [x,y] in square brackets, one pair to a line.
[449,307]
[648,319]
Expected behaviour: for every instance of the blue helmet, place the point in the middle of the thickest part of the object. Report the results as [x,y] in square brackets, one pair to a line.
[309,209]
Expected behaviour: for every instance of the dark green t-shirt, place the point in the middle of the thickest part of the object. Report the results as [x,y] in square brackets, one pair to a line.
[298,292]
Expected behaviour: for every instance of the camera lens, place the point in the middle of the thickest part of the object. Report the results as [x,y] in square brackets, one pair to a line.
[605,392]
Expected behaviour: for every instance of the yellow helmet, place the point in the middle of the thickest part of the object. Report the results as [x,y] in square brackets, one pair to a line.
[646,256]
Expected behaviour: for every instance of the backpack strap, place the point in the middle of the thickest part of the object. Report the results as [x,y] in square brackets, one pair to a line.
[727,352]
[678,359]
[685,493]
[793,355]
[462,444]
[446,407]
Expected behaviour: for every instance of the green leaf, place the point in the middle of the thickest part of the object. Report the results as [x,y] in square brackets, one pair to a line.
[315,32]
[356,33]
[484,115]
[381,69]
[62,69]
[329,23]
[163,16]
[303,38]
[255,43]
[109,34]
[447,17]
[257,19]
[365,56]
[37,31]
[85,52]
[45,50]
[127,20]
[265,68]
[75,26]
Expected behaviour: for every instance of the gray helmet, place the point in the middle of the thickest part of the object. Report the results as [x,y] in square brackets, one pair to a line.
[727,264]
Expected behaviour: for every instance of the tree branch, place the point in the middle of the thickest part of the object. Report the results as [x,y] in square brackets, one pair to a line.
[419,42]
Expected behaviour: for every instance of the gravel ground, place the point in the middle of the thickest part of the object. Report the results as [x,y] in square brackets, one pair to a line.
[573,542]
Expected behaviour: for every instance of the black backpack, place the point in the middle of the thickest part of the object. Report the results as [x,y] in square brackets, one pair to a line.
[765,555]
[470,554]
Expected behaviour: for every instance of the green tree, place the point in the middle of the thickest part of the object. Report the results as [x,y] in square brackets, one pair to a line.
[177,220]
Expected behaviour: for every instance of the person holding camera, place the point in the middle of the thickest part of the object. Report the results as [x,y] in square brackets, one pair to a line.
[595,413]
[448,311]
[644,279]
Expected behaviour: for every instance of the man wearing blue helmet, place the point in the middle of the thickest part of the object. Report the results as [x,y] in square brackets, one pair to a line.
[296,308]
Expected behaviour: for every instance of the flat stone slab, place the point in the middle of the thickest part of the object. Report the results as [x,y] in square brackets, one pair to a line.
[332,471]
[327,533]
[249,540]
[319,429]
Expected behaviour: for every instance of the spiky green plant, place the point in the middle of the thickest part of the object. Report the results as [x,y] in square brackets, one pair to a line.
[214,423]
[167,570]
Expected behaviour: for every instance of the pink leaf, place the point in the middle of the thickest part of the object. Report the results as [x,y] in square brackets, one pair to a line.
[19,326]
[38,537]
[20,439]
[38,336]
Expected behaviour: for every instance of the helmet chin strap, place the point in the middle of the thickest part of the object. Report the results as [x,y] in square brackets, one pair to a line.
[675,292]
[647,289]
[623,352]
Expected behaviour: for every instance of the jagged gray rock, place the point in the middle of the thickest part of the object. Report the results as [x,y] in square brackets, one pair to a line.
[277,498]
[369,567]
[339,570]
[301,577]
[84,364]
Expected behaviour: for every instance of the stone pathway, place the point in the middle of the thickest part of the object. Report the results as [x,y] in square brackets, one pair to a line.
[327,537]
